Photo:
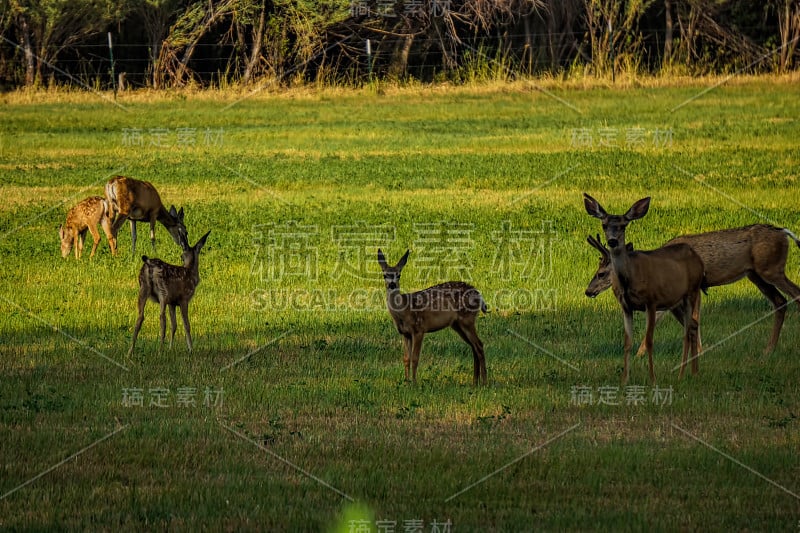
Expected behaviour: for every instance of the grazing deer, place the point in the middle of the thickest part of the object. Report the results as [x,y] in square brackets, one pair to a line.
[454,304]
[169,285]
[666,279]
[135,200]
[82,218]
[758,252]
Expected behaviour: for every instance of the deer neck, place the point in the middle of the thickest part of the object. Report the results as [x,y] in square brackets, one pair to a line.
[165,218]
[622,267]
[397,303]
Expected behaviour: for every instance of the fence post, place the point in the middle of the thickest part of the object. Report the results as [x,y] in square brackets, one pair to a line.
[111,55]
[369,59]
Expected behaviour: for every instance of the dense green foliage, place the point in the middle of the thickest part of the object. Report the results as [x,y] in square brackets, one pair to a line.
[306,408]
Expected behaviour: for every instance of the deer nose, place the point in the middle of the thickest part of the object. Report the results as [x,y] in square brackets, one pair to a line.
[612,243]
[590,294]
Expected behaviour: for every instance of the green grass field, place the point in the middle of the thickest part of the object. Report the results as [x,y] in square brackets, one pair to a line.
[291,414]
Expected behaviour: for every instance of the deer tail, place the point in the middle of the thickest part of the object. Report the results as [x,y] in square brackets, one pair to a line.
[792,236]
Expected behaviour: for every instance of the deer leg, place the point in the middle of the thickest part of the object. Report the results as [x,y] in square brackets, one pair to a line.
[153,232]
[186,327]
[173,324]
[133,237]
[627,319]
[163,324]
[81,240]
[105,223]
[115,226]
[777,280]
[95,239]
[416,347]
[648,339]
[140,318]
[407,355]
[643,347]
[470,336]
[688,337]
[694,333]
[76,245]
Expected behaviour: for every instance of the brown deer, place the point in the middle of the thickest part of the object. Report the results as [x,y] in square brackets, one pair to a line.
[758,251]
[135,200]
[85,216]
[602,281]
[454,304]
[666,279]
[169,285]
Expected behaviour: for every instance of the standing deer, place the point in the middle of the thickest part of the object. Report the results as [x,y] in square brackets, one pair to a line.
[82,218]
[758,251]
[169,285]
[135,200]
[666,279]
[454,304]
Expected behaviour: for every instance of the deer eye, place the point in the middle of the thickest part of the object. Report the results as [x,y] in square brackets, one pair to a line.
[602,275]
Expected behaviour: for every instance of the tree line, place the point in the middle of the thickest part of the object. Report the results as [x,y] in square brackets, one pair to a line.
[169,43]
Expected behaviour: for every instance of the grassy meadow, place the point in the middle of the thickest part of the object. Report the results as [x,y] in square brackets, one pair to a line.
[291,413]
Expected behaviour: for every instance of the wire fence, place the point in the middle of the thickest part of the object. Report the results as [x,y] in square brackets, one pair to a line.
[355,59]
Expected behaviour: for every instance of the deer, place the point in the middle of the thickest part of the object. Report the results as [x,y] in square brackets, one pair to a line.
[758,252]
[454,304]
[83,217]
[669,278]
[169,286]
[602,281]
[136,200]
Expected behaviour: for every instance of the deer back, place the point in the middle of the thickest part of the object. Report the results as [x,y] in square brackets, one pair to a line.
[662,277]
[729,255]
[133,198]
[86,213]
[169,283]
[173,283]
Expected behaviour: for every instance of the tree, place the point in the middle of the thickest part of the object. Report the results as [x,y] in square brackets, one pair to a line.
[48,27]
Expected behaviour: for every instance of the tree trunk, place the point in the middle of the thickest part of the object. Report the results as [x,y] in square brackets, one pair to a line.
[258,39]
[667,33]
[399,65]
[27,51]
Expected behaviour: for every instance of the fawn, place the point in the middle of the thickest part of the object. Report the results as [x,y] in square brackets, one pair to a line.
[169,286]
[454,304]
[82,218]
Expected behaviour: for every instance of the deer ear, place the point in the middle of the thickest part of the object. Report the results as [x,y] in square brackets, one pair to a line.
[638,210]
[382,260]
[593,207]
[180,215]
[201,242]
[403,260]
